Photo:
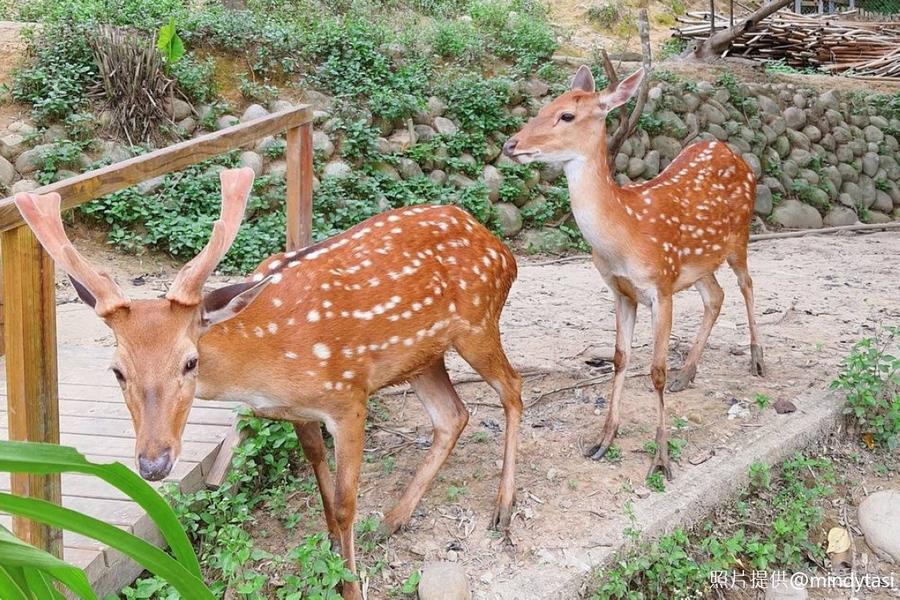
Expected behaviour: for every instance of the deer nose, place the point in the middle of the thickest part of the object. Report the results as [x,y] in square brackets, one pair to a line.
[154,469]
[510,146]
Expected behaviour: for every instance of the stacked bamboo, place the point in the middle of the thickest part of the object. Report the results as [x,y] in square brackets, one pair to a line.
[834,43]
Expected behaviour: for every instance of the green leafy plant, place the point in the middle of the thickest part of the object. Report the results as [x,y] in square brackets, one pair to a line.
[656,482]
[870,378]
[169,43]
[760,476]
[762,401]
[182,572]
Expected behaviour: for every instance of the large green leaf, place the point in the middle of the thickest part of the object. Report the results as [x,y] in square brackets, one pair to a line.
[41,459]
[149,556]
[10,588]
[169,43]
[16,553]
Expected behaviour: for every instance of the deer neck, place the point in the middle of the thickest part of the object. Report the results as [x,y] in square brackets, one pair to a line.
[595,197]
[229,365]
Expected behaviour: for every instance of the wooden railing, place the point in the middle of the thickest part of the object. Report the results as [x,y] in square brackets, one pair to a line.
[29,300]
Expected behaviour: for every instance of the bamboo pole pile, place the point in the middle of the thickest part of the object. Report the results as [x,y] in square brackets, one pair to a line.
[833,43]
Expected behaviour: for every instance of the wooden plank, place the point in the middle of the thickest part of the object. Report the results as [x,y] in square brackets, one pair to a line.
[31,377]
[100,446]
[123,428]
[100,182]
[199,415]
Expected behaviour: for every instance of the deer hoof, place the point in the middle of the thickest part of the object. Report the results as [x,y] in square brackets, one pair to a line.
[682,379]
[757,366]
[597,452]
[501,519]
[386,529]
[662,465]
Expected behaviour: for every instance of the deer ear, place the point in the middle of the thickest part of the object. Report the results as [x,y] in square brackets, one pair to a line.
[625,90]
[584,80]
[86,296]
[222,304]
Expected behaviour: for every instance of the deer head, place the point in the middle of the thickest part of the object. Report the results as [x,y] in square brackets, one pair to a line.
[570,127]
[156,357]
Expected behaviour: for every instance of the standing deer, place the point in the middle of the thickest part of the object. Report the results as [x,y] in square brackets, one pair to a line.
[649,240]
[310,336]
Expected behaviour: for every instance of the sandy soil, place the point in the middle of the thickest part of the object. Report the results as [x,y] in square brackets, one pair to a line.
[815,297]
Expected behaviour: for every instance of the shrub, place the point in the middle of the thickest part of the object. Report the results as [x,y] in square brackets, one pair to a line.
[871,379]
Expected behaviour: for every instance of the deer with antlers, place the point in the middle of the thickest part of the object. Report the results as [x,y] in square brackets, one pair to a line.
[309,336]
[652,239]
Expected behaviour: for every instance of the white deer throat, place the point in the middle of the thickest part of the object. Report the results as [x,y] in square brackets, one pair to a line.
[586,196]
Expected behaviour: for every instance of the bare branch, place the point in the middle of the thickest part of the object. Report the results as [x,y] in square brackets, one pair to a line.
[717,43]
[627,124]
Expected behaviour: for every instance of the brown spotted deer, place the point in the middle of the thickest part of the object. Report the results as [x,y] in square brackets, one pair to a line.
[309,336]
[652,239]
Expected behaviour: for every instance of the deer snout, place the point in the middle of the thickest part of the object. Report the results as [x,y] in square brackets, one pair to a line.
[154,468]
[509,148]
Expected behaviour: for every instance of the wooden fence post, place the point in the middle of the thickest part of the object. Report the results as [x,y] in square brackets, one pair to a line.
[29,308]
[299,154]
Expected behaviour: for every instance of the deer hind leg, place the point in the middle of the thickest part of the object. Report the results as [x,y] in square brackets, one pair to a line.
[448,417]
[349,431]
[661,310]
[484,352]
[738,264]
[712,295]
[626,311]
[310,435]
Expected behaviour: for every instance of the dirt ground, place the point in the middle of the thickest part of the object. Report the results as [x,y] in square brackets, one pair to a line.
[815,297]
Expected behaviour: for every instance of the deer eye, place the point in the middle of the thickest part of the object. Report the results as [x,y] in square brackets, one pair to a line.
[190,365]
[567,117]
[119,376]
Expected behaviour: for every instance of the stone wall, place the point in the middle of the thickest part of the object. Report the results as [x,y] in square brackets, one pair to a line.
[820,158]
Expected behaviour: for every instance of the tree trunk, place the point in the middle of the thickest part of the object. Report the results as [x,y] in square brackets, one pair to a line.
[718,43]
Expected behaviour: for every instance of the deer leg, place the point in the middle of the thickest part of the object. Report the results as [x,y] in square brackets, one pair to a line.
[712,295]
[349,435]
[738,264]
[485,353]
[310,435]
[626,311]
[661,310]
[448,417]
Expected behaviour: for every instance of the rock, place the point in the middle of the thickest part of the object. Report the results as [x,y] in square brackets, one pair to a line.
[652,161]
[31,160]
[808,175]
[226,121]
[796,215]
[636,167]
[718,132]
[768,106]
[24,185]
[409,169]
[189,125]
[444,581]
[277,168]
[550,172]
[753,162]
[783,407]
[253,112]
[445,126]
[667,147]
[402,139]
[840,215]
[438,176]
[336,168]
[459,180]
[54,133]
[785,590]
[280,105]
[873,134]
[547,240]
[322,144]
[534,206]
[150,186]
[710,114]
[64,174]
[387,170]
[536,88]
[879,519]
[794,118]
[870,164]
[318,100]
[763,204]
[493,179]
[21,127]
[642,492]
[425,132]
[12,145]
[883,201]
[203,111]
[509,218]
[253,160]
[180,110]
[878,217]
[813,133]
[7,172]
[383,146]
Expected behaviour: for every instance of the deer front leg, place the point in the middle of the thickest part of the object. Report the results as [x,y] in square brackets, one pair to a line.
[309,433]
[626,311]
[661,310]
[349,436]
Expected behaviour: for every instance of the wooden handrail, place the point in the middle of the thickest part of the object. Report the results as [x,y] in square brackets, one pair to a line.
[99,182]
[28,281]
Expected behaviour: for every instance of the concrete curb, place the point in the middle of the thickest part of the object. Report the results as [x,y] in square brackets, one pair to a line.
[565,574]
